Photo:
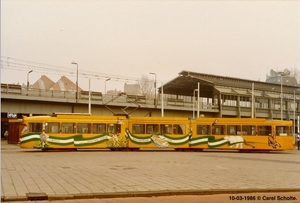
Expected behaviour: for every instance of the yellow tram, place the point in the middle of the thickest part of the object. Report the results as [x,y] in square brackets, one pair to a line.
[79,131]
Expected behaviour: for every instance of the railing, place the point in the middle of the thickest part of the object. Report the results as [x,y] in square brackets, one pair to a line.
[175,102]
[14,91]
[94,95]
[11,89]
[136,98]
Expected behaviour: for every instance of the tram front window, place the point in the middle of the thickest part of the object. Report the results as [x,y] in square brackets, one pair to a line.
[282,130]
[35,127]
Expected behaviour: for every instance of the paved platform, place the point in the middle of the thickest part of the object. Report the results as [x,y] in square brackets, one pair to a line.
[148,176]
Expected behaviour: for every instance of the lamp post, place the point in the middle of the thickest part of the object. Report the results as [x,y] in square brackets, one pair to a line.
[253,101]
[28,78]
[198,101]
[162,100]
[155,104]
[294,114]
[281,96]
[76,79]
[105,85]
[294,123]
[195,90]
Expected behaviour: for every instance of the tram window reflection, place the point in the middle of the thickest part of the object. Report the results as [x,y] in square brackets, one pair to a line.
[248,130]
[166,128]
[203,129]
[233,130]
[138,128]
[152,128]
[178,129]
[114,128]
[218,129]
[52,127]
[264,130]
[83,128]
[99,128]
[68,128]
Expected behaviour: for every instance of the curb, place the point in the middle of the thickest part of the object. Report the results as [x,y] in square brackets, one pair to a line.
[149,194]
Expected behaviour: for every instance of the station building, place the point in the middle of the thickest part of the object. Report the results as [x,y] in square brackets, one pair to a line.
[221,96]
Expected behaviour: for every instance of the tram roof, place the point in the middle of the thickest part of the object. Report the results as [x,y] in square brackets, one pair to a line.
[187,82]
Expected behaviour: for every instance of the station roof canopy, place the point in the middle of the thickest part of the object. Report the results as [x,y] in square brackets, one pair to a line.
[187,82]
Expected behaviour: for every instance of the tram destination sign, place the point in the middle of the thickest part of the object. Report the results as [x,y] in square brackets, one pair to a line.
[12,115]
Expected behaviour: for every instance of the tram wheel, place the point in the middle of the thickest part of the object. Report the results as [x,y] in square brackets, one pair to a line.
[198,150]
[134,149]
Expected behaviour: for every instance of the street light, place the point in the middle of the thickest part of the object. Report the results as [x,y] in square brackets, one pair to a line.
[195,90]
[198,101]
[281,96]
[253,101]
[155,104]
[105,85]
[294,124]
[76,80]
[28,79]
[294,114]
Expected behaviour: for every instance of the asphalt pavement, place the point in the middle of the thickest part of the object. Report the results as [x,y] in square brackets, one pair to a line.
[148,176]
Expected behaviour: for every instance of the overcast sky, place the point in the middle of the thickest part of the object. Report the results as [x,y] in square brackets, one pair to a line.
[242,39]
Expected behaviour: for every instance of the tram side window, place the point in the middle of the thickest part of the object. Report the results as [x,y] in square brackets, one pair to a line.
[99,128]
[233,130]
[35,127]
[83,128]
[166,129]
[52,127]
[178,129]
[152,128]
[114,128]
[249,130]
[203,129]
[138,128]
[218,129]
[68,128]
[282,130]
[264,130]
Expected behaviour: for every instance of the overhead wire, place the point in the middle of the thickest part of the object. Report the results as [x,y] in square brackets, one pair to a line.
[23,65]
